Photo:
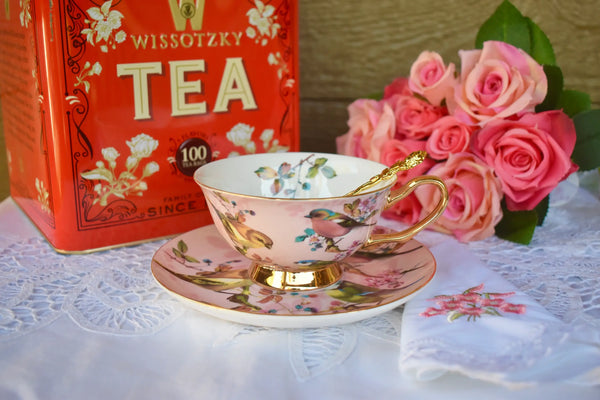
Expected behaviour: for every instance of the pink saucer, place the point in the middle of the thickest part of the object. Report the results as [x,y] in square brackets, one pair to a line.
[201,269]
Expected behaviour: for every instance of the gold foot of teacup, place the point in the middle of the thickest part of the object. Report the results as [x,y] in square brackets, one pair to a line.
[274,277]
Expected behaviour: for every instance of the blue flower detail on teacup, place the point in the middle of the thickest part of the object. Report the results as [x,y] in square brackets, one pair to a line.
[288,180]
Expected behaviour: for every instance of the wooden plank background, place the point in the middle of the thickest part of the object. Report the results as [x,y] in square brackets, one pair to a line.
[352,48]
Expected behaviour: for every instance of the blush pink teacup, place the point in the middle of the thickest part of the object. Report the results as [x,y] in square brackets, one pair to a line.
[288,213]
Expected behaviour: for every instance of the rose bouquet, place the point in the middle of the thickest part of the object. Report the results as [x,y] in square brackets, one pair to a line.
[501,131]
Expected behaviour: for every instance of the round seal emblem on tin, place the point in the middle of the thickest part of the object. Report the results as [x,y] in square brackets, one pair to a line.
[192,154]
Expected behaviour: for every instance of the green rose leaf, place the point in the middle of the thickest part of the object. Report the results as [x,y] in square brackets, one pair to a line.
[587,147]
[555,87]
[542,209]
[517,226]
[541,48]
[375,96]
[574,102]
[506,24]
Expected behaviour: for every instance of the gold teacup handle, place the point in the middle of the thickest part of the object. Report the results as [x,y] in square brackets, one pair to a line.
[399,194]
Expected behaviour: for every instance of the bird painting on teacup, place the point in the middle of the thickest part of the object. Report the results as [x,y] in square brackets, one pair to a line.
[243,236]
[331,224]
[328,229]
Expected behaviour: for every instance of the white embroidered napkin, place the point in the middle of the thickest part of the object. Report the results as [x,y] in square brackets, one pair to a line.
[472,321]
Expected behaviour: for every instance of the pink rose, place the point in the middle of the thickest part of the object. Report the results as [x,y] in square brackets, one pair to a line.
[430,77]
[414,116]
[394,150]
[407,210]
[474,197]
[497,82]
[398,86]
[530,155]
[371,124]
[448,135]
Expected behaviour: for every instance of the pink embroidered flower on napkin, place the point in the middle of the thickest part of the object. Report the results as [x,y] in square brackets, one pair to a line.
[474,304]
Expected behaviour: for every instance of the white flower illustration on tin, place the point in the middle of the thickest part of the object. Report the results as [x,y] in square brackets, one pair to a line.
[142,146]
[103,21]
[241,135]
[271,145]
[87,71]
[262,20]
[25,14]
[277,60]
[267,136]
[127,182]
[43,195]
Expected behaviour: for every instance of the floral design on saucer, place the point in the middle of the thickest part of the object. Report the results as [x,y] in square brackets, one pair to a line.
[201,268]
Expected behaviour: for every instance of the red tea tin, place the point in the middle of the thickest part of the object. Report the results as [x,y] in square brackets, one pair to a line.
[110,106]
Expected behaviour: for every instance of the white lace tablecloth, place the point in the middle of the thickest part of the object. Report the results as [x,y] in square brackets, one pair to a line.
[97,326]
